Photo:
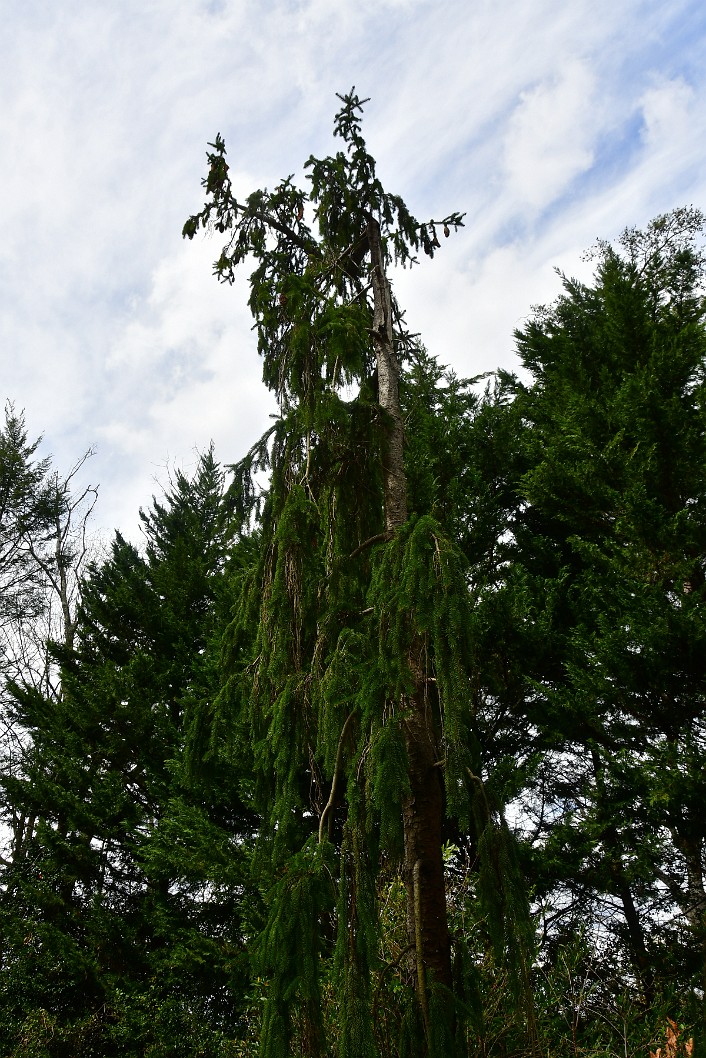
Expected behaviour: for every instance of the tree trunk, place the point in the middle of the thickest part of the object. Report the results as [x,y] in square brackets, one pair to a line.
[394,477]
[636,933]
[423,809]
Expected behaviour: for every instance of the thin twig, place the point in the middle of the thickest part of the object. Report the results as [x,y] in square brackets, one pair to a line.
[387,535]
[336,776]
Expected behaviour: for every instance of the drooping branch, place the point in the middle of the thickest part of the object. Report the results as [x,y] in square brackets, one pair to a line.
[336,778]
[309,246]
[376,539]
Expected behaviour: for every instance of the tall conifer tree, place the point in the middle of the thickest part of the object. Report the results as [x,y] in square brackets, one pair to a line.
[349,654]
[608,568]
[122,917]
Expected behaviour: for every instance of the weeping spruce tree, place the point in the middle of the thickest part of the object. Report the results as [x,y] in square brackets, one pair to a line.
[347,655]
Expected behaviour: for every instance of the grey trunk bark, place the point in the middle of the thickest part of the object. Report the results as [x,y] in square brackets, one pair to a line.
[423,809]
[395,481]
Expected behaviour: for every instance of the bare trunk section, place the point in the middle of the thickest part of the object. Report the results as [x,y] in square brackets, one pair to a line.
[423,809]
[395,481]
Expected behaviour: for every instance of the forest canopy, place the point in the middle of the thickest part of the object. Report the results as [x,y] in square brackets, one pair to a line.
[389,738]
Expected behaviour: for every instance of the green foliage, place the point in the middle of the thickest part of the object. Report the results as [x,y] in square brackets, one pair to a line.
[334,622]
[419,595]
[28,504]
[308,293]
[217,819]
[289,951]
[357,945]
[123,905]
[608,564]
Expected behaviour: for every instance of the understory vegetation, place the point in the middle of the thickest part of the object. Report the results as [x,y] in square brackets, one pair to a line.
[389,739]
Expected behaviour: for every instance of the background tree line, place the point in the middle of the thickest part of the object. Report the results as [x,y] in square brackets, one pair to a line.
[400,752]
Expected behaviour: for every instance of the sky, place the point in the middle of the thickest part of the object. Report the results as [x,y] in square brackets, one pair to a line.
[550,124]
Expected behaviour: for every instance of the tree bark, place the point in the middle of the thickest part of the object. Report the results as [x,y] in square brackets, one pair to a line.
[422,815]
[423,809]
[636,933]
[395,480]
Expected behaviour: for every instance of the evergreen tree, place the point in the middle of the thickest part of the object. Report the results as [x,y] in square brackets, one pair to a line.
[44,547]
[607,568]
[123,919]
[349,648]
[23,515]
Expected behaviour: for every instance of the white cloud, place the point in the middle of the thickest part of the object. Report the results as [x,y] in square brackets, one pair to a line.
[113,331]
[667,110]
[184,361]
[550,136]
